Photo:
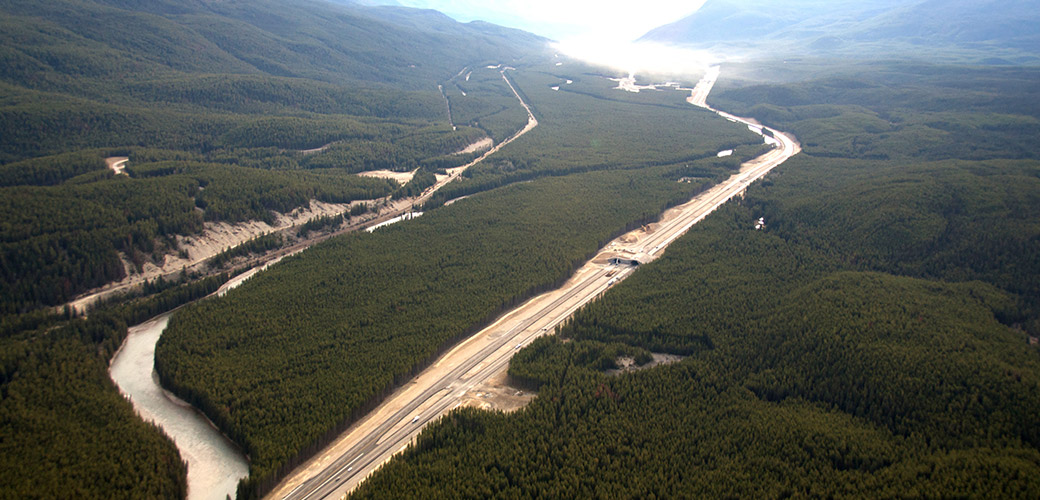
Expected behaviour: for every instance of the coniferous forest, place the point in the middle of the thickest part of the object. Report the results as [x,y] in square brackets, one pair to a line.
[227,112]
[862,322]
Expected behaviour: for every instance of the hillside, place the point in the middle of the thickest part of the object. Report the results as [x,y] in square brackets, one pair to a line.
[992,32]
[310,39]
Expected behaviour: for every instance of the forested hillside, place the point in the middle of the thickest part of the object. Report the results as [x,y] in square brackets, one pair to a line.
[979,31]
[870,340]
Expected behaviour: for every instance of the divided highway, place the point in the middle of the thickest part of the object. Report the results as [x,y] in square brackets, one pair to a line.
[394,424]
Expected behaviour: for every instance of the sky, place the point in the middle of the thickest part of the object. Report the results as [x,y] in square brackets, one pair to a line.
[598,31]
[568,20]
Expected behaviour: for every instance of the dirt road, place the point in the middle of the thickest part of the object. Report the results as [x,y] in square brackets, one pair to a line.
[117,164]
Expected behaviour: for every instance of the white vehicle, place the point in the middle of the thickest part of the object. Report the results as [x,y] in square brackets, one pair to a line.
[415,419]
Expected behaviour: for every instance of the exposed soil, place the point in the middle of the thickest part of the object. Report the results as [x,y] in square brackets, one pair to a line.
[401,178]
[497,394]
[485,143]
[117,164]
[628,365]
[316,150]
[215,238]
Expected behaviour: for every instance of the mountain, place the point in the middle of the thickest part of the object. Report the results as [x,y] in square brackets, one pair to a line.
[68,62]
[987,30]
[46,42]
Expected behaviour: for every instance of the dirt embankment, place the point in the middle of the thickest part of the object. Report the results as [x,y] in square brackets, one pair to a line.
[117,164]
[401,178]
[485,143]
[195,250]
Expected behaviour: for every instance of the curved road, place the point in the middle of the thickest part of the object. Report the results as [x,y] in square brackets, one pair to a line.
[394,424]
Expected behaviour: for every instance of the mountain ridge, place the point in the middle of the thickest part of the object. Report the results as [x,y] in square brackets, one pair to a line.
[963,30]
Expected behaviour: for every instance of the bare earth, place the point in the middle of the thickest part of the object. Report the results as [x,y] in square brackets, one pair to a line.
[497,394]
[401,178]
[320,149]
[117,164]
[480,145]
[215,238]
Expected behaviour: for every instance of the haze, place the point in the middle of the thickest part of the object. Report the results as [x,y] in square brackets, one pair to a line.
[567,20]
[601,32]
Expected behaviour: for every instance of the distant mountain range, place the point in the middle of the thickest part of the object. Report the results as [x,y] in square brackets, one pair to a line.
[118,64]
[44,43]
[988,31]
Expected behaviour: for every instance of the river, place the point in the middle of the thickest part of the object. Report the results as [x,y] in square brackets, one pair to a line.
[215,464]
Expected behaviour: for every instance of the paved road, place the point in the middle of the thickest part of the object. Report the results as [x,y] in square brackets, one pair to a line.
[395,431]
[439,389]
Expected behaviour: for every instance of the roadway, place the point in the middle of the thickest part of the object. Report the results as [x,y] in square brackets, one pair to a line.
[389,428]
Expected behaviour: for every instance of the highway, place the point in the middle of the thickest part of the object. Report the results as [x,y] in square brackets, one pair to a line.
[442,387]
[481,360]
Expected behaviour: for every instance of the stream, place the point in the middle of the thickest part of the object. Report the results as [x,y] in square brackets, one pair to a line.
[215,464]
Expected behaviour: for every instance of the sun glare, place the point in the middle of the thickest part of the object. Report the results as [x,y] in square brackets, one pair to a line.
[598,31]
[639,57]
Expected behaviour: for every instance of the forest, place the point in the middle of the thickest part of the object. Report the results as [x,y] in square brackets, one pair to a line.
[870,340]
[362,313]
[480,98]
[202,148]
[259,118]
[67,430]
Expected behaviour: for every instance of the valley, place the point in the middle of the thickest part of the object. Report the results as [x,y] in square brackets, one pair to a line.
[451,379]
[289,249]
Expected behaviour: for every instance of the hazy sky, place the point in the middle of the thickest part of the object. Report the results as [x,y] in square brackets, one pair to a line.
[567,20]
[598,31]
